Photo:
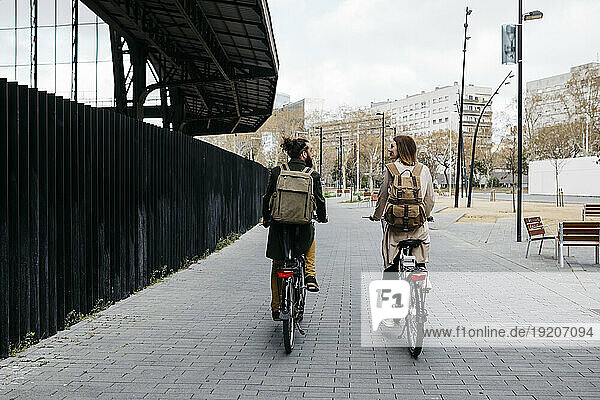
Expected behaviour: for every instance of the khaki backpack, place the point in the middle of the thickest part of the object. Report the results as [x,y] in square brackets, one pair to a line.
[293,201]
[405,210]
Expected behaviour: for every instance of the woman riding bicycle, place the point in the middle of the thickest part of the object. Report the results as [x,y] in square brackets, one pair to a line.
[403,153]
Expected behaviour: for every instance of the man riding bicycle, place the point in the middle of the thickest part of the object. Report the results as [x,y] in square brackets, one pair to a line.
[300,154]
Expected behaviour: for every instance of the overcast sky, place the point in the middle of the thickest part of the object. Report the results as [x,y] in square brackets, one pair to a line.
[349,52]
[357,51]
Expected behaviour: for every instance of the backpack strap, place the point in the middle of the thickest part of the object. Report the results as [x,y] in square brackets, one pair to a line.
[393,169]
[417,169]
[416,172]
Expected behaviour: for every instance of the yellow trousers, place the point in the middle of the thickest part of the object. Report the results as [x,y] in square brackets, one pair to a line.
[276,280]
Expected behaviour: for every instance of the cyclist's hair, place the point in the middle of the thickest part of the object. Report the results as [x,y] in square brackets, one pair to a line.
[294,147]
[407,149]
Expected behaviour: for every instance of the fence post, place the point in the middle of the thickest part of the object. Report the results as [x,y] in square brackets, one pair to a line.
[4,263]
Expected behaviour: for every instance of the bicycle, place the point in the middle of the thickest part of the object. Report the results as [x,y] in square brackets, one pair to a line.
[293,289]
[414,322]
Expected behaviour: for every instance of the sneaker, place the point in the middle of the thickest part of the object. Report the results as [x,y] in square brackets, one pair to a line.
[276,315]
[311,284]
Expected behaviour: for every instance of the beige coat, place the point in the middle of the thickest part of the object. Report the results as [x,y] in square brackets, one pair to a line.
[391,237]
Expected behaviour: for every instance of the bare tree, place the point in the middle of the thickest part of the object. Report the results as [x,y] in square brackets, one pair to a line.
[435,151]
[556,143]
[370,149]
[533,113]
[583,98]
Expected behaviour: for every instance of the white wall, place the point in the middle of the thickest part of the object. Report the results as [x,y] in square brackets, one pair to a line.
[578,176]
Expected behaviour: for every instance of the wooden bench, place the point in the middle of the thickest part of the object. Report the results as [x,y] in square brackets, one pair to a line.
[591,210]
[374,199]
[537,231]
[578,233]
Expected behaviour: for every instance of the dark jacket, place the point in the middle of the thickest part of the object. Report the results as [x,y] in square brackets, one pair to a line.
[306,233]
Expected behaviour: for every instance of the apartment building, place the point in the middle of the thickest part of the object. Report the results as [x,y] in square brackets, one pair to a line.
[437,110]
[551,107]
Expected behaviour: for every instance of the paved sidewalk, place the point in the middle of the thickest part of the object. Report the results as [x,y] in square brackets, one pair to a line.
[207,332]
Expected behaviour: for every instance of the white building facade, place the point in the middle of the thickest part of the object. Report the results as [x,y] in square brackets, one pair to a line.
[437,110]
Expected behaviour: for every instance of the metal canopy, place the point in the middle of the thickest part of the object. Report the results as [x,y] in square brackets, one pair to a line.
[217,58]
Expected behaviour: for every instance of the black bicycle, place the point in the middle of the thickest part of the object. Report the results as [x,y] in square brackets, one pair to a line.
[414,322]
[293,289]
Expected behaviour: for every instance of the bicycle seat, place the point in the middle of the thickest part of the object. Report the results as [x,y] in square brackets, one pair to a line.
[410,243]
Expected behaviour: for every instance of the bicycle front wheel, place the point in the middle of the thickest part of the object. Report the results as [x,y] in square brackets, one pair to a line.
[415,322]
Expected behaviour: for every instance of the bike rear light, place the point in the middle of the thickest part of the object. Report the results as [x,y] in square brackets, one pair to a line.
[420,276]
[285,274]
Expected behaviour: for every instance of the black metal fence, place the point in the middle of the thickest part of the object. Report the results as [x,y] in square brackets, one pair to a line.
[92,203]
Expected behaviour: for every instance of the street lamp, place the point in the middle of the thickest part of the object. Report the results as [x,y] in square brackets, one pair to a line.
[460,113]
[470,186]
[382,139]
[320,150]
[531,15]
[527,17]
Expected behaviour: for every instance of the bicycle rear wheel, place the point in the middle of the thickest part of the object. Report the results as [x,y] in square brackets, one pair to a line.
[288,324]
[414,321]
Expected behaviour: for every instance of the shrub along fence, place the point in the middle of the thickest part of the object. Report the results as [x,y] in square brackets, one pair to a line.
[93,204]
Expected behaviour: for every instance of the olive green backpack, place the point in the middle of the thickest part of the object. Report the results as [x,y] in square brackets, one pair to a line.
[405,210]
[293,200]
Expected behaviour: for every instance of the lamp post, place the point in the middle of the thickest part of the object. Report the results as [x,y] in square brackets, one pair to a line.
[382,139]
[342,182]
[357,156]
[460,112]
[321,151]
[532,15]
[470,186]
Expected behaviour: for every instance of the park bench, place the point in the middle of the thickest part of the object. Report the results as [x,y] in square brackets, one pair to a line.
[366,198]
[591,210]
[578,233]
[374,199]
[537,232]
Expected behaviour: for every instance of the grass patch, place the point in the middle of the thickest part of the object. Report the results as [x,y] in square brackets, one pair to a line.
[226,241]
[28,341]
[329,195]
[351,201]
[160,274]
[74,317]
